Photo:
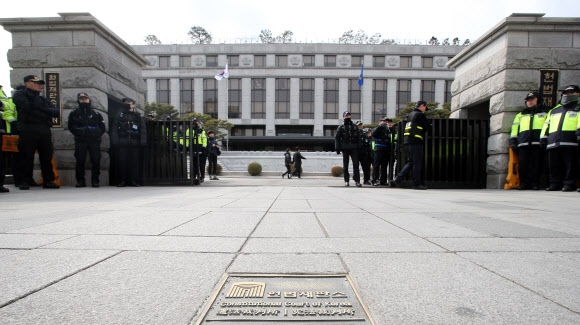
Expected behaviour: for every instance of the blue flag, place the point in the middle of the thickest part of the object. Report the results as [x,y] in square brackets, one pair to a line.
[361,79]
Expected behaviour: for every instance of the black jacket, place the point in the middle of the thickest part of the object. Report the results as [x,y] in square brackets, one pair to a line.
[298,159]
[347,137]
[86,124]
[35,112]
[129,125]
[416,126]
[382,136]
[287,159]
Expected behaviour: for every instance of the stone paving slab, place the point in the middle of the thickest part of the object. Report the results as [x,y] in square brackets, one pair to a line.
[130,288]
[509,244]
[425,226]
[549,275]
[222,223]
[443,288]
[25,272]
[293,225]
[152,243]
[29,241]
[359,225]
[288,263]
[291,205]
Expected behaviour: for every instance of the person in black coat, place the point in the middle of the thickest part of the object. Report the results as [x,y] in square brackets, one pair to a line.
[298,162]
[288,163]
[348,142]
[87,126]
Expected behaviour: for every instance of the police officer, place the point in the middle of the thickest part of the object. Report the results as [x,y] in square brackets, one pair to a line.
[561,135]
[35,115]
[199,147]
[2,132]
[525,141]
[87,126]
[382,136]
[347,141]
[364,154]
[129,134]
[416,126]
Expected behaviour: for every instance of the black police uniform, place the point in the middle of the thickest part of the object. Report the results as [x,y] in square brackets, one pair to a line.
[416,127]
[129,134]
[35,115]
[382,136]
[87,126]
[347,141]
[364,156]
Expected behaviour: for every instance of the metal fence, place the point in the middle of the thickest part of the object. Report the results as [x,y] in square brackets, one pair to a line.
[455,153]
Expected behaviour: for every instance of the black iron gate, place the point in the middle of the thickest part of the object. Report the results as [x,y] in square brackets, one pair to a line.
[455,153]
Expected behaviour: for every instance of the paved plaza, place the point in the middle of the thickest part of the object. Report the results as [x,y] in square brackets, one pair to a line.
[156,255]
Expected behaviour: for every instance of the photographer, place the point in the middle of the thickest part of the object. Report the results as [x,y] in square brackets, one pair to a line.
[35,115]
[88,126]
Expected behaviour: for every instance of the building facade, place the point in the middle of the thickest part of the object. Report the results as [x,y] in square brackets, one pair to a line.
[296,89]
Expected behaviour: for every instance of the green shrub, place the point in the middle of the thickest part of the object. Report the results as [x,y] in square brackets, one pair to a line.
[337,171]
[254,168]
[219,169]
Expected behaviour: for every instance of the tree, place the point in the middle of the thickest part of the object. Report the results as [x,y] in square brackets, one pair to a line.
[347,37]
[199,35]
[285,37]
[266,36]
[456,41]
[360,37]
[210,123]
[445,41]
[389,42]
[375,39]
[433,41]
[160,111]
[467,42]
[152,40]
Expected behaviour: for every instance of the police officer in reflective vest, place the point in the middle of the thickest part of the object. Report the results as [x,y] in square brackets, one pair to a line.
[129,134]
[561,135]
[87,126]
[416,126]
[199,149]
[525,141]
[382,136]
[347,140]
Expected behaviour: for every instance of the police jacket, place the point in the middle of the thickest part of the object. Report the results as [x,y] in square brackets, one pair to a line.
[198,137]
[86,123]
[416,126]
[129,125]
[287,159]
[527,126]
[562,126]
[382,136]
[35,112]
[298,159]
[8,112]
[347,137]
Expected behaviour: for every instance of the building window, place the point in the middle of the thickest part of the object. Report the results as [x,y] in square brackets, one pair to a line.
[186,94]
[259,60]
[354,99]
[330,130]
[282,104]
[306,98]
[403,94]
[163,91]
[185,61]
[210,100]
[248,130]
[330,60]
[448,91]
[308,60]
[428,90]
[234,98]
[282,61]
[406,62]
[427,62]
[356,61]
[211,61]
[164,61]
[233,60]
[331,98]
[378,61]
[379,99]
[258,98]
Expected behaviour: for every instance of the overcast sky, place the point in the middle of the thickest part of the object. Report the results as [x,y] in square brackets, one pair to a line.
[310,20]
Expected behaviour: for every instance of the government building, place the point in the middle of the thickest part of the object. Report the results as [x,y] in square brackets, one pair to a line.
[295,90]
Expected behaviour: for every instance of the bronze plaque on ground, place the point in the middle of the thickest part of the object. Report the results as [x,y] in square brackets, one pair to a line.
[285,298]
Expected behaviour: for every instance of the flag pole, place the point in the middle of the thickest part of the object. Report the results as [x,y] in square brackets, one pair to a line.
[227,108]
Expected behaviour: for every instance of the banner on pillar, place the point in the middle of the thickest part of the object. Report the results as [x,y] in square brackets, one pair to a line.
[549,87]
[53,95]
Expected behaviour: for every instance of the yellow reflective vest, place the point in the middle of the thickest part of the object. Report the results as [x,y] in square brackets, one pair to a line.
[562,126]
[527,126]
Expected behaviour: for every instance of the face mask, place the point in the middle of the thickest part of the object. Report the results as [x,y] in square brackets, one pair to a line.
[85,105]
[347,121]
[569,99]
